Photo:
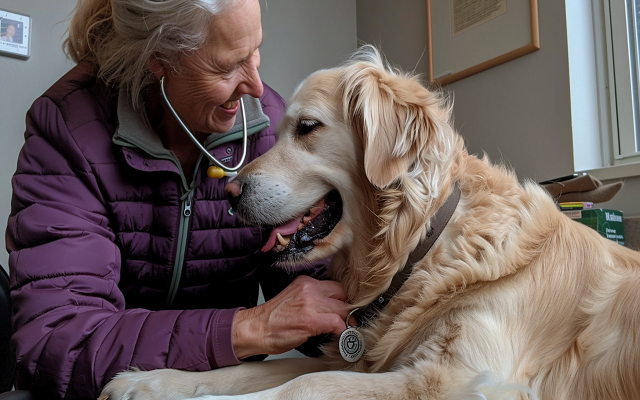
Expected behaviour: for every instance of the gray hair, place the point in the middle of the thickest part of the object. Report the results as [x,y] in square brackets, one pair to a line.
[121,36]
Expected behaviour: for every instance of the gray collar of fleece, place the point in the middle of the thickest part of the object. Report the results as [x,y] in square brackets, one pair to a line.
[134,130]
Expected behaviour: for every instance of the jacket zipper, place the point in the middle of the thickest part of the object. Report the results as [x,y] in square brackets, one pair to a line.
[183,232]
[183,229]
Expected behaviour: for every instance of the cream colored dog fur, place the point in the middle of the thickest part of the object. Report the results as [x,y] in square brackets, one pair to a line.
[514,300]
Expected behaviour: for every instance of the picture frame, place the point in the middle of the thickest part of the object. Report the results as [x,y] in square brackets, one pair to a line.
[15,34]
[469,36]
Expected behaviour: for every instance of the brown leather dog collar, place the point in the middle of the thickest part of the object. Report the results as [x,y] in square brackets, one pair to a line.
[438,222]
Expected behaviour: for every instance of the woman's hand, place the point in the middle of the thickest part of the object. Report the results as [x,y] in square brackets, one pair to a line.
[306,308]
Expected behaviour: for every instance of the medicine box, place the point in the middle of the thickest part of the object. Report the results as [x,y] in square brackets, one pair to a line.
[609,223]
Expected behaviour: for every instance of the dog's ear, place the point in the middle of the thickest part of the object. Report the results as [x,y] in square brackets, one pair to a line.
[394,113]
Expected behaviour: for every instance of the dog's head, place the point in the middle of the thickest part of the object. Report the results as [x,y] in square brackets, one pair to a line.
[358,145]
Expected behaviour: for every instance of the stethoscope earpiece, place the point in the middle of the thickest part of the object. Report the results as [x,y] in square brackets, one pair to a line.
[218,170]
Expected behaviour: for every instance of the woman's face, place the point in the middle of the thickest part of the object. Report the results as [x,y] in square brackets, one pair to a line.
[206,91]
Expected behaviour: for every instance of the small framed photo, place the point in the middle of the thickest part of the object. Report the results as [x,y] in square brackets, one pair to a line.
[15,34]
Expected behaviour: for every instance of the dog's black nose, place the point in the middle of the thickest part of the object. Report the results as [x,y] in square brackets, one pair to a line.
[233,191]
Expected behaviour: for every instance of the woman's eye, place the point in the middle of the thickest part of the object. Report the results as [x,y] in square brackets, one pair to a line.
[230,71]
[307,126]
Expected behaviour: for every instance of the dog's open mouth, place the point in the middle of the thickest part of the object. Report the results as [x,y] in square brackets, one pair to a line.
[297,236]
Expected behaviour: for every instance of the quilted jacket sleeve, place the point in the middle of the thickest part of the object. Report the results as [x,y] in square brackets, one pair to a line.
[72,332]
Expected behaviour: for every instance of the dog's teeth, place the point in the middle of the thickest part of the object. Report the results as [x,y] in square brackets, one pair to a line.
[283,241]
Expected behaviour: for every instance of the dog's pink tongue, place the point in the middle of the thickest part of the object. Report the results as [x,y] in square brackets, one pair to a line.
[286,229]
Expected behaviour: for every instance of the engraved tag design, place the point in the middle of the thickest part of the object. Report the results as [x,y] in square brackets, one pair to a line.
[351,342]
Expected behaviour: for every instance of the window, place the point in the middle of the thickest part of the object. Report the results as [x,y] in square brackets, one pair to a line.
[622,46]
[604,66]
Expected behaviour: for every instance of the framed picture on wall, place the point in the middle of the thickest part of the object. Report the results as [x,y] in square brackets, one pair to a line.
[15,34]
[470,36]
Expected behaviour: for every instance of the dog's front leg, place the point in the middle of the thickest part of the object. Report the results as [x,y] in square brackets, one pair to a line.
[421,381]
[333,385]
[170,384]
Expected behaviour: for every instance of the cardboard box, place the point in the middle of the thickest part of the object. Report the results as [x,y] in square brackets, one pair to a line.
[608,223]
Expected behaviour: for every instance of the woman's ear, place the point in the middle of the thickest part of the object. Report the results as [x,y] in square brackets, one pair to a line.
[156,67]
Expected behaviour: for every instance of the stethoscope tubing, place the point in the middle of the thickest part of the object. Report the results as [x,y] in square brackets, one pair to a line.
[197,142]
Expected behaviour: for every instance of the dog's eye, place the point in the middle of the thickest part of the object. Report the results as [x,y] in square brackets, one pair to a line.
[307,126]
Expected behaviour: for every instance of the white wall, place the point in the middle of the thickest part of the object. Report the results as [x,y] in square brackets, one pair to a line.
[22,81]
[295,44]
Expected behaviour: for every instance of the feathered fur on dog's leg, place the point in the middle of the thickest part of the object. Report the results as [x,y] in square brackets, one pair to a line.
[408,383]
[172,384]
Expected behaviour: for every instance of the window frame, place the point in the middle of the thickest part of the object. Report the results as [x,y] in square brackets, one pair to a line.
[622,77]
[596,39]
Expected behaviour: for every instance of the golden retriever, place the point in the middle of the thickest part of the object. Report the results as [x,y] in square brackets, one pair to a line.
[513,301]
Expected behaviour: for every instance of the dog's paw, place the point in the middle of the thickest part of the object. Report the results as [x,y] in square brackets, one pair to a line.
[145,385]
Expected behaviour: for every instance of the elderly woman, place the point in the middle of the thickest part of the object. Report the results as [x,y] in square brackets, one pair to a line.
[9,33]
[123,253]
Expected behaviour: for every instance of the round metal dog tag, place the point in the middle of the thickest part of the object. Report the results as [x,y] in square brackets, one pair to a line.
[351,342]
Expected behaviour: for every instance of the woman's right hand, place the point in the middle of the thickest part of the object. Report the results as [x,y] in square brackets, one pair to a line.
[306,308]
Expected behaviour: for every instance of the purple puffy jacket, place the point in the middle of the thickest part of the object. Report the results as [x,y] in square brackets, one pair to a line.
[114,260]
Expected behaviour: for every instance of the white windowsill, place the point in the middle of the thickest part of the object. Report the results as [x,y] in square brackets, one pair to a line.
[615,171]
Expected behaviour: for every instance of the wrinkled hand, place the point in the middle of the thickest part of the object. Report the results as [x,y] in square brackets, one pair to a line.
[306,308]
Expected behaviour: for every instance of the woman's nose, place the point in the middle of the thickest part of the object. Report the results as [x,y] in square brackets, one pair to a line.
[254,87]
[252,84]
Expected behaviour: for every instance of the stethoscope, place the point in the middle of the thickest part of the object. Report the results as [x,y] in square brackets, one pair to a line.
[218,170]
